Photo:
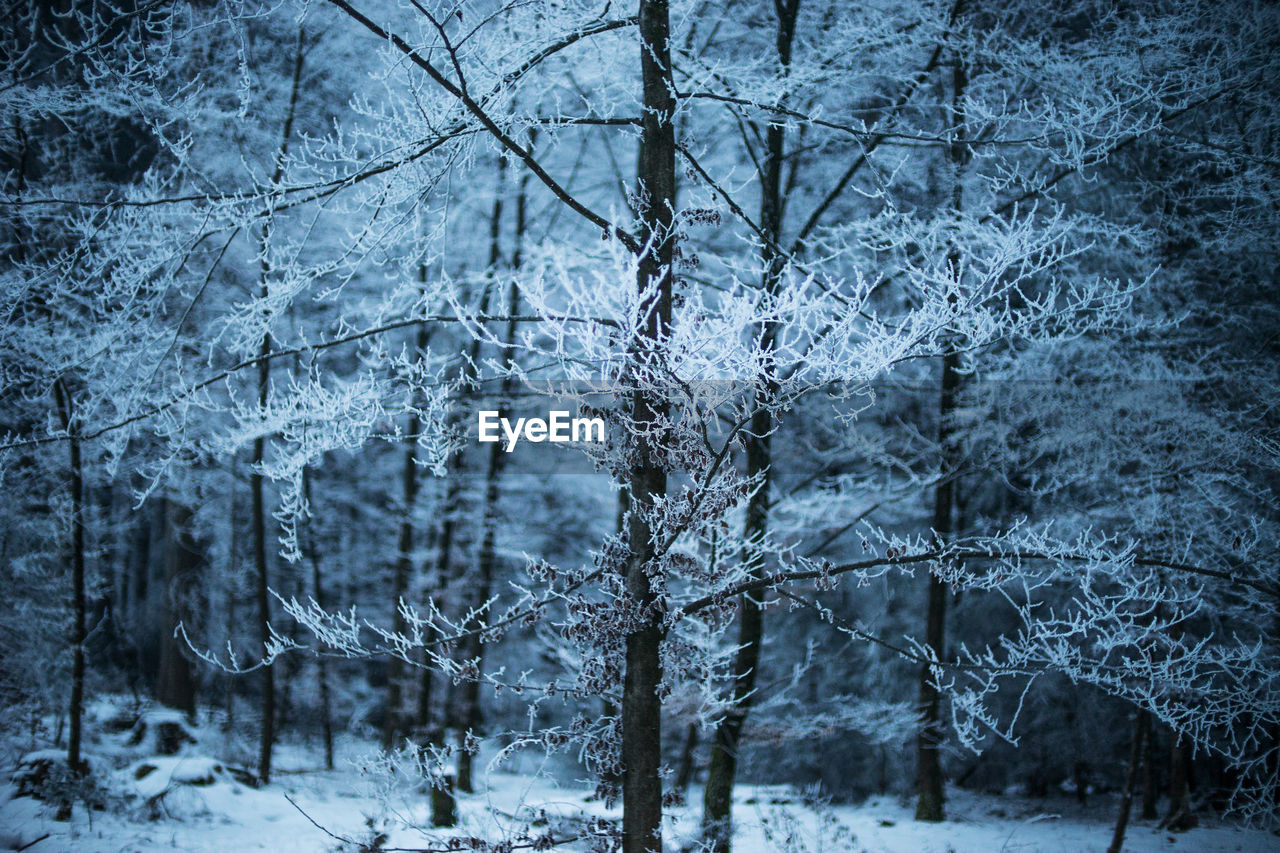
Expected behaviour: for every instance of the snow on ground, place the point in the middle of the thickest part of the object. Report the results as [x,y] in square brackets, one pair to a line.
[191,802]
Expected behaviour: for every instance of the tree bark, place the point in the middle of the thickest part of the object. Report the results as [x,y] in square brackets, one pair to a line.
[1150,778]
[1141,727]
[75,712]
[1180,816]
[684,772]
[322,663]
[444,805]
[442,796]
[263,594]
[393,720]
[656,183]
[469,691]
[717,800]
[929,787]
[262,591]
[175,686]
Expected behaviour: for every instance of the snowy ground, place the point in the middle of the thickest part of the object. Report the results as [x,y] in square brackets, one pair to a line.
[225,816]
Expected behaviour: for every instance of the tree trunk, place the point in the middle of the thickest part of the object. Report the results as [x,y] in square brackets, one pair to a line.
[442,796]
[656,183]
[75,712]
[175,685]
[1180,816]
[684,771]
[263,595]
[393,721]
[444,559]
[322,663]
[444,805]
[469,697]
[1150,778]
[1141,727]
[929,787]
[717,799]
[469,690]
[262,586]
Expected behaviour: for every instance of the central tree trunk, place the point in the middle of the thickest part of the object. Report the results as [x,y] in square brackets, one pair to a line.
[656,186]
[929,803]
[262,594]
[930,797]
[76,711]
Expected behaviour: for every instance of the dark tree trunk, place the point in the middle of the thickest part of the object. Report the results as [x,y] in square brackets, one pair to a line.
[442,796]
[231,624]
[262,582]
[1180,816]
[393,721]
[443,567]
[75,713]
[717,799]
[1141,727]
[322,663]
[263,594]
[469,690]
[688,752]
[444,805]
[929,788]
[1150,778]
[641,708]
[175,686]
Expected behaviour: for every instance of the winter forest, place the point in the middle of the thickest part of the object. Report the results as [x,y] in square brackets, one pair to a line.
[926,354]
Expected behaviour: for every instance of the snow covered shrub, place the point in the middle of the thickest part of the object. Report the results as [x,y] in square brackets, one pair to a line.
[45,775]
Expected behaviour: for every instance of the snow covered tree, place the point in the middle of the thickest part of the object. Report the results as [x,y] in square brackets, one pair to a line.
[901,298]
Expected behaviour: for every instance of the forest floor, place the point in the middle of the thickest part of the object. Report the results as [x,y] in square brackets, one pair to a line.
[311,810]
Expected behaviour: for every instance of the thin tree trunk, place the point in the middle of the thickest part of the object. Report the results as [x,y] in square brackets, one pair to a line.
[393,726]
[444,805]
[929,788]
[1180,816]
[442,796]
[175,685]
[486,559]
[609,787]
[1150,777]
[444,559]
[322,663]
[75,712]
[717,800]
[395,722]
[641,707]
[231,625]
[684,771]
[1141,727]
[263,594]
